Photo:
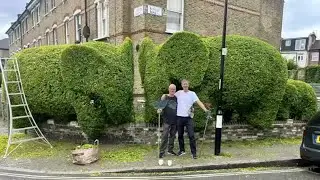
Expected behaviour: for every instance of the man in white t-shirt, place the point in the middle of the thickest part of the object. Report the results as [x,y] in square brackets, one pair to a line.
[186,99]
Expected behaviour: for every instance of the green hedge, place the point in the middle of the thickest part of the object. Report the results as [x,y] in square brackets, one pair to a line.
[306,104]
[255,74]
[255,78]
[60,89]
[290,98]
[312,74]
[144,56]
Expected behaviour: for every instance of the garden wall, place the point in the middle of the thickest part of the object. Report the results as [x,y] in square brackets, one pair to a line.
[147,134]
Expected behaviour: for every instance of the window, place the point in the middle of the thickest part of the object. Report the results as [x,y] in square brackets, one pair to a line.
[22,27]
[18,32]
[103,18]
[54,36]
[46,6]
[300,57]
[78,27]
[53,4]
[288,43]
[39,41]
[33,16]
[34,43]
[26,24]
[38,14]
[47,38]
[174,15]
[300,44]
[315,56]
[66,31]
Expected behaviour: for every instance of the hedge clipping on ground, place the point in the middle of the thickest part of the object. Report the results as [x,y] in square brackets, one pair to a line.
[93,80]
[255,74]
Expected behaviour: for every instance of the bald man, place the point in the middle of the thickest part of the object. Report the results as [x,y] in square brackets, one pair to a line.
[169,115]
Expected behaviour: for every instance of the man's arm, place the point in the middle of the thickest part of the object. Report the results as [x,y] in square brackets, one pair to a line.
[202,106]
[163,97]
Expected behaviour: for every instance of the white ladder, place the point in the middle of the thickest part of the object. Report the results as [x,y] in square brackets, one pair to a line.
[12,63]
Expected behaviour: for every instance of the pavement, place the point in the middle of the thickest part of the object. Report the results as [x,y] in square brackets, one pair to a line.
[235,155]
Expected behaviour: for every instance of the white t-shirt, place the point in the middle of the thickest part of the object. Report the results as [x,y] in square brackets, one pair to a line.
[185,102]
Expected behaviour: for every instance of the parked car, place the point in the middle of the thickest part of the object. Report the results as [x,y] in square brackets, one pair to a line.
[310,146]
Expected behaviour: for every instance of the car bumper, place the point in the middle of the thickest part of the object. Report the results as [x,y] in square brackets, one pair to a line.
[310,154]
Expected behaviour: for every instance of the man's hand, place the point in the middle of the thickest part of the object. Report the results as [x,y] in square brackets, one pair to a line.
[159,111]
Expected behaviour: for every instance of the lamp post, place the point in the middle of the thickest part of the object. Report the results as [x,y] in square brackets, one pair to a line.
[218,132]
[86,29]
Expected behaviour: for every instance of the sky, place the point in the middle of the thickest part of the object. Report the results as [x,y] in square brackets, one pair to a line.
[301,17]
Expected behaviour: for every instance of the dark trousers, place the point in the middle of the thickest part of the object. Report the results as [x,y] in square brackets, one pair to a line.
[188,123]
[169,133]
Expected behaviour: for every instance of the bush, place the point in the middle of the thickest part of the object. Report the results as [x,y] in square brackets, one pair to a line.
[255,78]
[291,65]
[306,105]
[144,56]
[312,74]
[255,74]
[184,56]
[290,98]
[101,76]
[42,82]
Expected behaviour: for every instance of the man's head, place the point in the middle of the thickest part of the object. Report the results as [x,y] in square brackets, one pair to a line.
[185,84]
[172,89]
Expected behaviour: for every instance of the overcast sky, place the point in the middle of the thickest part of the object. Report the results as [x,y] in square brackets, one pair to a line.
[301,17]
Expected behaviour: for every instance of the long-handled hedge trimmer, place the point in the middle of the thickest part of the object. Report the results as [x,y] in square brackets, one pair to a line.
[208,117]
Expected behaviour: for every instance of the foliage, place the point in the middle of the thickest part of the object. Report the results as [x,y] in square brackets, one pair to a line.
[99,84]
[289,99]
[306,104]
[255,77]
[291,65]
[312,74]
[144,55]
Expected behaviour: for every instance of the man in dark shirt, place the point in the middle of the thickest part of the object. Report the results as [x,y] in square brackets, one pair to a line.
[169,114]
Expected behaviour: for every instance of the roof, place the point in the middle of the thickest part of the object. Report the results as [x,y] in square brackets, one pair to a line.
[294,38]
[4,44]
[315,45]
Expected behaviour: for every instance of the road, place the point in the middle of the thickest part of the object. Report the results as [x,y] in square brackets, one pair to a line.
[281,174]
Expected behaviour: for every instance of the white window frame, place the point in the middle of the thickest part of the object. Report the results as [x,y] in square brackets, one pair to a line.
[300,44]
[26,24]
[46,6]
[173,10]
[66,30]
[78,25]
[53,4]
[102,7]
[54,35]
[34,43]
[38,14]
[18,32]
[47,36]
[33,18]
[39,41]
[314,56]
[288,43]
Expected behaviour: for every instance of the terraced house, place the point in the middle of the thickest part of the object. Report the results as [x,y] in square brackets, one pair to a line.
[51,22]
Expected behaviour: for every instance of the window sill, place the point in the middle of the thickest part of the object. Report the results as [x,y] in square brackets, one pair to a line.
[101,38]
[51,11]
[46,14]
[168,31]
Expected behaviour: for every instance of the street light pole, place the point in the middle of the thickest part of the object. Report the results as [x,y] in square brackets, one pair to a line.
[218,132]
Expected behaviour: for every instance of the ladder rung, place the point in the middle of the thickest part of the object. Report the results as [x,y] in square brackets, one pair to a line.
[9,70]
[20,117]
[12,94]
[26,128]
[18,105]
[26,140]
[12,82]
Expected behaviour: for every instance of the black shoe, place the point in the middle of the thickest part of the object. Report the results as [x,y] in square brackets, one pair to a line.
[194,156]
[161,155]
[172,153]
[180,153]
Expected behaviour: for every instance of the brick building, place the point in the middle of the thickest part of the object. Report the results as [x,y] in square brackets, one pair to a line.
[52,22]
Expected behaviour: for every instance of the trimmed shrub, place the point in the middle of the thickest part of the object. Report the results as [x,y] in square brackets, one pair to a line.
[95,74]
[144,56]
[290,98]
[312,74]
[42,82]
[306,105]
[255,78]
[291,65]
[184,56]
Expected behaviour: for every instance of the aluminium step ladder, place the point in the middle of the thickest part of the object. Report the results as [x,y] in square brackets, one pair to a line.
[10,69]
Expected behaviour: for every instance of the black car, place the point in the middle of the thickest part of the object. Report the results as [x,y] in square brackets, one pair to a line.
[310,146]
